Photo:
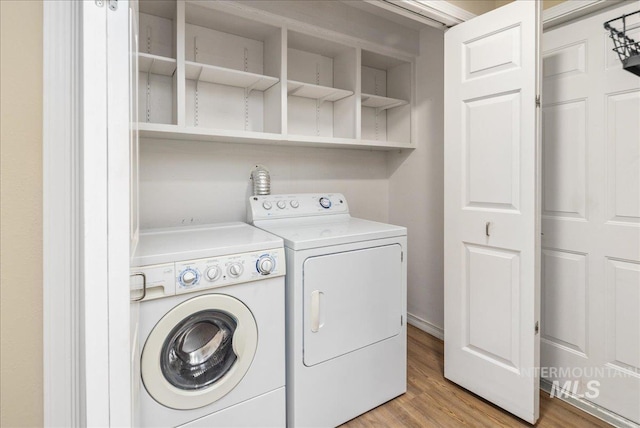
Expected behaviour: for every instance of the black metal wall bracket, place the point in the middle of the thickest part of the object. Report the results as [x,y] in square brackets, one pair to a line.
[628,50]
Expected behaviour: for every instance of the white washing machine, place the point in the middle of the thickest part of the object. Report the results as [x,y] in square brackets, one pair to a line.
[346,306]
[211,327]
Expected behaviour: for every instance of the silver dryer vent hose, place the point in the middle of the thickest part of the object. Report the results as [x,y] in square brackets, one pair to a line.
[261,181]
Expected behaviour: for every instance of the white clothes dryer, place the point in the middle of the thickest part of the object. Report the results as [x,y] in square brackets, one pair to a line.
[346,306]
[211,327]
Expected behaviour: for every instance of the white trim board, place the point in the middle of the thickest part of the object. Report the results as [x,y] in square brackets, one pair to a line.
[76,364]
[590,408]
[442,14]
[438,14]
[573,9]
[425,326]
[61,214]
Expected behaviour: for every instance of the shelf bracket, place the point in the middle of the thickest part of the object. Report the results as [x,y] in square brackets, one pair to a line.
[387,107]
[294,90]
[321,100]
[251,87]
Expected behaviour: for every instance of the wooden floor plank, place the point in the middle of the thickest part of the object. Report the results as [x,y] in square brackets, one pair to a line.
[433,401]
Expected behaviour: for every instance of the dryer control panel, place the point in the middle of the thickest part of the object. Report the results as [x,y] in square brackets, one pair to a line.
[195,275]
[295,205]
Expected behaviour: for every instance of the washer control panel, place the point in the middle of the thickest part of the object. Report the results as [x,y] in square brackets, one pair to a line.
[296,205]
[194,275]
[215,272]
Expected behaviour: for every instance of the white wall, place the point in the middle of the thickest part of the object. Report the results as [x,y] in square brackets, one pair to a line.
[416,187]
[199,182]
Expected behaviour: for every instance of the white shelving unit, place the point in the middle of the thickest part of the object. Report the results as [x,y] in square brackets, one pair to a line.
[209,72]
[385,99]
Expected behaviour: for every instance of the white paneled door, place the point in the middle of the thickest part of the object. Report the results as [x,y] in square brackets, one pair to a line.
[491,207]
[591,216]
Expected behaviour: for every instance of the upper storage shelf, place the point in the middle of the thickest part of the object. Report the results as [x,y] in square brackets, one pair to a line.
[228,76]
[316,92]
[221,71]
[381,103]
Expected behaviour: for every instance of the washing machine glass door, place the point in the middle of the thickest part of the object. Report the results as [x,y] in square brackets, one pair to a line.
[199,351]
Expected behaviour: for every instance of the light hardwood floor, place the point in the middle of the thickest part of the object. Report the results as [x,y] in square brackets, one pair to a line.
[433,401]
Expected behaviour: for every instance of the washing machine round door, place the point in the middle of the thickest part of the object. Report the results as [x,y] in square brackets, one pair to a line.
[199,351]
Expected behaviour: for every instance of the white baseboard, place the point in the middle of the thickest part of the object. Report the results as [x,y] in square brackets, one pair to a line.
[425,326]
[588,407]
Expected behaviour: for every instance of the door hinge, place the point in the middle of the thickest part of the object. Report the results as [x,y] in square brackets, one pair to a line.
[401,319]
[401,256]
[537,327]
[113,4]
[538,101]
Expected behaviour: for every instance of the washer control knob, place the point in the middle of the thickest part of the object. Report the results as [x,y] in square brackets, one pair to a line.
[325,202]
[213,273]
[265,265]
[189,277]
[235,270]
[282,204]
[266,205]
[294,203]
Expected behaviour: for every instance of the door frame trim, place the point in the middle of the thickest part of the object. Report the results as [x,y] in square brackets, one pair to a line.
[440,14]
[80,319]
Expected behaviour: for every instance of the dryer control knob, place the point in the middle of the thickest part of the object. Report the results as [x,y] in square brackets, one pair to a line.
[189,277]
[294,203]
[265,265]
[213,273]
[282,204]
[235,270]
[266,205]
[325,202]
